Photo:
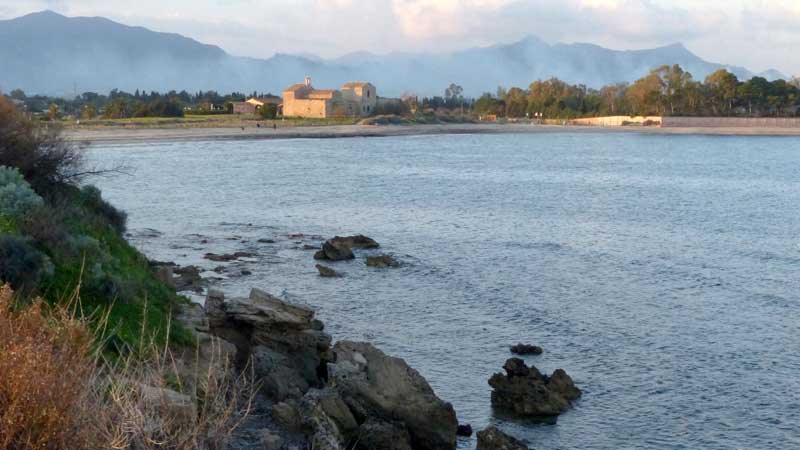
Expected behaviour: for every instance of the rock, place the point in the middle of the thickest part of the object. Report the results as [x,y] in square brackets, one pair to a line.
[188,279]
[266,241]
[337,251]
[526,392]
[286,415]
[227,257]
[464,430]
[286,347]
[525,349]
[493,439]
[327,272]
[165,275]
[386,388]
[270,440]
[341,248]
[309,247]
[380,435]
[358,241]
[382,261]
[173,409]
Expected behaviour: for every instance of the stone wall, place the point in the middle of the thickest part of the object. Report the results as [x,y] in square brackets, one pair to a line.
[731,122]
[310,108]
[691,122]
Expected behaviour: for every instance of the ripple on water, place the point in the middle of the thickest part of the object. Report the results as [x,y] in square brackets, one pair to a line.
[660,272]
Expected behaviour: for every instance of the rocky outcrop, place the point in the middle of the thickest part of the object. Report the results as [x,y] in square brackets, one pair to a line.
[526,349]
[327,272]
[287,348]
[382,261]
[384,388]
[341,248]
[493,439]
[524,391]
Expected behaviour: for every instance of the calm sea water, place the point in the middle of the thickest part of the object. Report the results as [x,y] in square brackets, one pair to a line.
[661,272]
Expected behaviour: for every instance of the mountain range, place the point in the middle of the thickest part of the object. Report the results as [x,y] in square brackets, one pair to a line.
[48,53]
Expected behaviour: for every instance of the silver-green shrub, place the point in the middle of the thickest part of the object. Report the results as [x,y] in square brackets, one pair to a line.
[16,195]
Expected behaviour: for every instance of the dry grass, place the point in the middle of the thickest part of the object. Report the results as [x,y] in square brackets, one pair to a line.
[57,392]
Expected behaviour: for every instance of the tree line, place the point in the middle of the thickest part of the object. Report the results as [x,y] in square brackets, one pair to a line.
[119,104]
[667,90]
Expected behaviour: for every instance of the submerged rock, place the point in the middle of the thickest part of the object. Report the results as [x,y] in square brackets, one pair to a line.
[228,256]
[493,439]
[525,349]
[526,392]
[327,272]
[382,261]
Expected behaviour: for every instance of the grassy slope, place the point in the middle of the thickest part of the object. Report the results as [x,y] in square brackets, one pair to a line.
[141,311]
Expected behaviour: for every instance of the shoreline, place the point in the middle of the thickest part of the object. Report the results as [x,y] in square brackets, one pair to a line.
[140,135]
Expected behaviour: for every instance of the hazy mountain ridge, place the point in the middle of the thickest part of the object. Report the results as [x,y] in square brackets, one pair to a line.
[52,54]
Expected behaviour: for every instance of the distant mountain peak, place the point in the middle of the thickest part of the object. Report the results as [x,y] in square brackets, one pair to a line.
[97,54]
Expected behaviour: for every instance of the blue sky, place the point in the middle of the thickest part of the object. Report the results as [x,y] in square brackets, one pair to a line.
[758,34]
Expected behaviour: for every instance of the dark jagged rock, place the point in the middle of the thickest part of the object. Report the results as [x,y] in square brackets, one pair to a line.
[526,392]
[358,241]
[327,272]
[493,439]
[378,386]
[282,341]
[341,248]
[381,435]
[382,261]
[337,251]
[266,241]
[464,430]
[525,349]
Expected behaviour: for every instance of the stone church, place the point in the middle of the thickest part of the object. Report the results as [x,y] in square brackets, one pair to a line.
[352,100]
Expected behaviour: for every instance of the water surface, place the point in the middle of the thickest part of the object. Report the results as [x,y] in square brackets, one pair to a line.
[661,272]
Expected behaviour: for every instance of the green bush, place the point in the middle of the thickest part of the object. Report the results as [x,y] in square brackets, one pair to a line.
[93,199]
[16,195]
[269,111]
[21,265]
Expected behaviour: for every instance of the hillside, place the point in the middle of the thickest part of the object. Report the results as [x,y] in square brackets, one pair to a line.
[52,54]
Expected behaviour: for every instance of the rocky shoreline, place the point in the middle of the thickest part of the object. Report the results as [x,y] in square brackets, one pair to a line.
[314,393]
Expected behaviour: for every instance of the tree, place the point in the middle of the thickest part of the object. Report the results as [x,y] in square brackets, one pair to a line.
[453,97]
[722,91]
[89,112]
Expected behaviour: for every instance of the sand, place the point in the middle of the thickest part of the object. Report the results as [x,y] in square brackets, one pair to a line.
[125,135]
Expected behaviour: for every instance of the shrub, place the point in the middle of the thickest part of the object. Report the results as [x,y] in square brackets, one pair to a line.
[16,195]
[45,367]
[45,225]
[93,199]
[38,150]
[269,111]
[21,265]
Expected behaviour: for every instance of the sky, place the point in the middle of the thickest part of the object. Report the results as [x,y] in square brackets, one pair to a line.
[757,34]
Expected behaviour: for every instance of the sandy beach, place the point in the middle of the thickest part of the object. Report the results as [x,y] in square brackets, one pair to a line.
[132,135]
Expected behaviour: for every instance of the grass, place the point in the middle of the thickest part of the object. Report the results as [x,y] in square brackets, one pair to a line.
[113,278]
[58,392]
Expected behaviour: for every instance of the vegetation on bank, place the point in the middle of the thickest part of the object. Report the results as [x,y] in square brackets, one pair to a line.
[89,356]
[56,235]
